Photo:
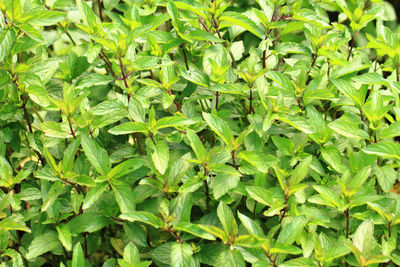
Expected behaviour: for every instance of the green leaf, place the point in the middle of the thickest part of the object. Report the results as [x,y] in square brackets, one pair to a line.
[386,176]
[292,48]
[259,160]
[172,122]
[96,155]
[348,129]
[292,230]
[6,173]
[260,194]
[223,183]
[200,35]
[251,226]
[131,254]
[196,144]
[128,128]
[284,248]
[12,223]
[6,42]
[220,127]
[78,259]
[300,171]
[218,232]
[124,196]
[194,230]
[32,32]
[227,220]
[52,195]
[284,145]
[389,149]
[175,16]
[39,95]
[64,235]
[337,251]
[329,195]
[348,90]
[160,157]
[281,79]
[392,131]
[43,243]
[299,262]
[69,155]
[234,89]
[45,17]
[300,123]
[95,79]
[144,217]
[94,194]
[231,258]
[88,15]
[249,241]
[181,255]
[125,168]
[54,129]
[363,238]
[231,18]
[88,222]
[370,78]
[333,156]
[196,77]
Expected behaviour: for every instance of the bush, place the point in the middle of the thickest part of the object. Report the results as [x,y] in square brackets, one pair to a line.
[196,133]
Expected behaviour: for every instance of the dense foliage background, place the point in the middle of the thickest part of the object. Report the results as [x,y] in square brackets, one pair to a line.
[197,133]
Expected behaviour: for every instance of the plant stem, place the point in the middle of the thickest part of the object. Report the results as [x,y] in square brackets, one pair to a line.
[203,24]
[137,136]
[362,115]
[271,260]
[152,75]
[284,209]
[85,245]
[315,56]
[207,195]
[100,10]
[216,100]
[106,60]
[264,55]
[70,127]
[73,184]
[64,29]
[177,105]
[28,121]
[251,109]
[397,73]
[5,18]
[123,74]
[171,232]
[24,101]
[346,213]
[353,39]
[234,159]
[182,46]
[328,72]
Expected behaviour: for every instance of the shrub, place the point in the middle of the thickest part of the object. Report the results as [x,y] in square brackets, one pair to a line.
[196,133]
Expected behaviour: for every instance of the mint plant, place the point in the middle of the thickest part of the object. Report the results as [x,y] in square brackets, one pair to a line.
[199,133]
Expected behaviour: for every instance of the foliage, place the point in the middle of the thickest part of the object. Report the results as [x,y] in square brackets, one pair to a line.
[197,133]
